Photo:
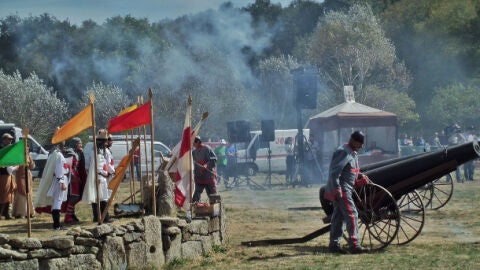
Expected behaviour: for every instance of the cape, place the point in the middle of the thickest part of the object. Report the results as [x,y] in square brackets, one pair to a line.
[90,190]
[41,199]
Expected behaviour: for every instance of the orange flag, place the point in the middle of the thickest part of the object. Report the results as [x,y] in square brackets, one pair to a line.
[136,118]
[75,125]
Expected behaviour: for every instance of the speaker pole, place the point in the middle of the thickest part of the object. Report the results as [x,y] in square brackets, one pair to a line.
[268,180]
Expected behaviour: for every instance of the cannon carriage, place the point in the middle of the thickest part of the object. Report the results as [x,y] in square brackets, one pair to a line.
[390,209]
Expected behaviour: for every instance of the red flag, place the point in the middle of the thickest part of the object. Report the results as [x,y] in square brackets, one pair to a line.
[136,118]
[184,166]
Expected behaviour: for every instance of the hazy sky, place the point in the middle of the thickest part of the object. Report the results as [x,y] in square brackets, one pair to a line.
[76,11]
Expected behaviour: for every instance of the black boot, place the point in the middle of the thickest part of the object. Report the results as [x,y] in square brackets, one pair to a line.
[95,213]
[56,219]
[6,208]
[103,205]
[2,205]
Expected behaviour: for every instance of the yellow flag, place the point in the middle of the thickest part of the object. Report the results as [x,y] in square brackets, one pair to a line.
[128,109]
[75,125]
[121,169]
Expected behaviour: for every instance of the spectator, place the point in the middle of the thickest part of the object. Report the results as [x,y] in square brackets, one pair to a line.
[20,202]
[7,184]
[136,162]
[221,153]
[290,162]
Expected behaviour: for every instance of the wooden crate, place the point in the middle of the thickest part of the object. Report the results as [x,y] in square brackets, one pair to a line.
[207,210]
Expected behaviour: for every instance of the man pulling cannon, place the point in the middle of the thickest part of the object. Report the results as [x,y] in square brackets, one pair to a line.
[344,174]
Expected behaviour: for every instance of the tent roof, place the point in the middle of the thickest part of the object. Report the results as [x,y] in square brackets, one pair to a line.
[352,109]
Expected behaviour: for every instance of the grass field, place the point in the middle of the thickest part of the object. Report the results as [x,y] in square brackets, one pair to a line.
[450,238]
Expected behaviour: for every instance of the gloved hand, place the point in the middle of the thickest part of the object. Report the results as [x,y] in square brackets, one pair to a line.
[333,195]
[362,180]
[338,193]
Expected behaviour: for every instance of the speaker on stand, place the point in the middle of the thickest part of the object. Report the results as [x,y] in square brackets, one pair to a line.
[238,132]
[268,135]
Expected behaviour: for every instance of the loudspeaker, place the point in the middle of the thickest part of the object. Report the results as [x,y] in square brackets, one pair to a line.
[268,131]
[305,81]
[238,131]
[306,86]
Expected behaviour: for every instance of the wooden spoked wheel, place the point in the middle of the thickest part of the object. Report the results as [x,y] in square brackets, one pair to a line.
[412,217]
[378,215]
[437,193]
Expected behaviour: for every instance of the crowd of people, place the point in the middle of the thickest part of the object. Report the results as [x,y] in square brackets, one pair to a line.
[67,179]
[450,136]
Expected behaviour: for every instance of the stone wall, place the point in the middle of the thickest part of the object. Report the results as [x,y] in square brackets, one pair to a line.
[147,242]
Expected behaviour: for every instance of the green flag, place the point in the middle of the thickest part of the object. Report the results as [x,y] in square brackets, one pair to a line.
[13,154]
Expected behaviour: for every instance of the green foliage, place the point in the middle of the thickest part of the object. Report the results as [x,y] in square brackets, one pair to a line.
[393,101]
[29,102]
[219,249]
[456,103]
[109,101]
[276,89]
[176,262]
[226,58]
[351,49]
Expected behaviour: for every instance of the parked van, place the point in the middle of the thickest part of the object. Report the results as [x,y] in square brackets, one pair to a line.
[119,150]
[252,157]
[37,152]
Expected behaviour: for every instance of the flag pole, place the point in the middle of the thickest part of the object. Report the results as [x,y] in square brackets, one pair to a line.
[154,200]
[97,188]
[146,156]
[27,186]
[190,158]
[132,177]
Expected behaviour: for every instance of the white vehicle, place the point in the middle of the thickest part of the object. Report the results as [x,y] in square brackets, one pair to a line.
[119,150]
[37,152]
[253,157]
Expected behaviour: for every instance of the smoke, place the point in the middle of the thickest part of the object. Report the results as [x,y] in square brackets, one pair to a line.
[210,52]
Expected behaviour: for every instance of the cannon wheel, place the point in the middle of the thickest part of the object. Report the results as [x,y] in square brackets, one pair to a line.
[412,217]
[437,193]
[378,215]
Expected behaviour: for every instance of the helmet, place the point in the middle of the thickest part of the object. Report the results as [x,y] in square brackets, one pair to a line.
[102,134]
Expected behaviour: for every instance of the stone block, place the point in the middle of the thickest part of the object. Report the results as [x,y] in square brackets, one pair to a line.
[113,254]
[153,241]
[73,262]
[92,242]
[136,255]
[192,249]
[8,254]
[20,265]
[28,243]
[59,242]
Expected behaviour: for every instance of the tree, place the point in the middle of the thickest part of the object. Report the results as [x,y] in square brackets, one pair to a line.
[109,101]
[276,89]
[393,101]
[455,103]
[29,102]
[351,49]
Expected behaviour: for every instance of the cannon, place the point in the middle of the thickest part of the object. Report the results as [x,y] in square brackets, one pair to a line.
[390,208]
[401,178]
[434,194]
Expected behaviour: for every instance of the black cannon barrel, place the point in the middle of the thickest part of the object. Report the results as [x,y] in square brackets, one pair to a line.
[413,172]
[382,163]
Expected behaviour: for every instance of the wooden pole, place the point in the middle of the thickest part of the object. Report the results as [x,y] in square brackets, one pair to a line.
[27,186]
[154,200]
[94,127]
[190,158]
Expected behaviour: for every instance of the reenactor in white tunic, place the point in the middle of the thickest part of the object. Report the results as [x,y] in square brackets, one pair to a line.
[58,188]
